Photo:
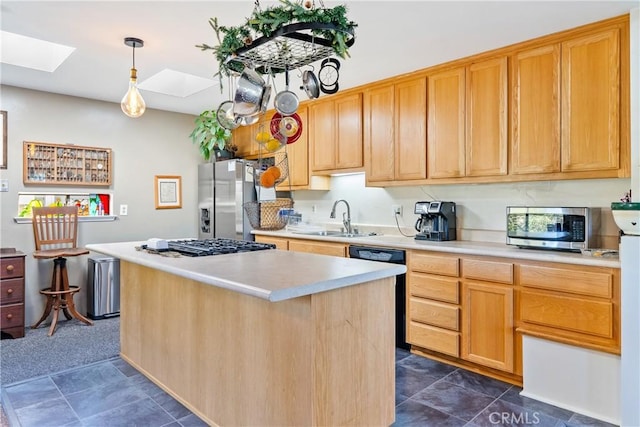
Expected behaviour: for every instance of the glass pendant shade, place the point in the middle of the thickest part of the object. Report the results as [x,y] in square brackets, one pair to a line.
[132,103]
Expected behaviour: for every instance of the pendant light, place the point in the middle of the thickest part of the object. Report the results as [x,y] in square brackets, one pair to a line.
[132,104]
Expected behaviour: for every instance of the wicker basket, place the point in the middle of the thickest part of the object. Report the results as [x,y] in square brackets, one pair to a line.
[266,215]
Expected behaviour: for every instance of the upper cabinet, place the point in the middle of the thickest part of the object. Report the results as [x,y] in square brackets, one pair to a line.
[335,133]
[535,110]
[591,102]
[486,115]
[567,104]
[446,124]
[467,120]
[395,132]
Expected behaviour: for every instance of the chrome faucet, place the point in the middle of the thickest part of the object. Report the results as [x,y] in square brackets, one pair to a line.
[346,216]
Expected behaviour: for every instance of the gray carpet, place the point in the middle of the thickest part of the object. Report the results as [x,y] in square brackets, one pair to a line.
[73,344]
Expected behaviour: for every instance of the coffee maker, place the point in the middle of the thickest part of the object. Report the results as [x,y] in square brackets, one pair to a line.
[437,221]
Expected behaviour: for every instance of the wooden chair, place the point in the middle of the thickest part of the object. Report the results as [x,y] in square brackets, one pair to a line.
[56,236]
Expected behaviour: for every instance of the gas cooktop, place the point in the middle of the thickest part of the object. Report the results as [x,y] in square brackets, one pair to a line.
[216,246]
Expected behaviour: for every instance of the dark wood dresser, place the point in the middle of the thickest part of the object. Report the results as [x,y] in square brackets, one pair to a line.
[12,293]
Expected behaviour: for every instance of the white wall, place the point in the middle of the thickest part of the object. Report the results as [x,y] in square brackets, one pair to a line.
[155,144]
[480,207]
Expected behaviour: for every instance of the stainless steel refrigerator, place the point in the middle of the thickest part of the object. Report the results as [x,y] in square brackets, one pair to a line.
[223,188]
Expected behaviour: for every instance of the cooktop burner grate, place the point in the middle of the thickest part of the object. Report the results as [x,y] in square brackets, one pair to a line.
[216,246]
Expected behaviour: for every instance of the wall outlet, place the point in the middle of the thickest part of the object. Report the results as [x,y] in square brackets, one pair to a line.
[314,208]
[124,210]
[4,185]
[397,210]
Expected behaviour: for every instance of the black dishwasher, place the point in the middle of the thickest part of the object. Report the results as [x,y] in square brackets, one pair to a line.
[394,256]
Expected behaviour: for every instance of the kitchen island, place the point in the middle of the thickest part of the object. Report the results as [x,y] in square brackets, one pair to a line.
[262,338]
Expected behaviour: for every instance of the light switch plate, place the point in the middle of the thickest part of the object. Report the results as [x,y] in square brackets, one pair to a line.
[4,185]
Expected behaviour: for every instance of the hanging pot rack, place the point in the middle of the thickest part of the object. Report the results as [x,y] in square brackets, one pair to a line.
[291,46]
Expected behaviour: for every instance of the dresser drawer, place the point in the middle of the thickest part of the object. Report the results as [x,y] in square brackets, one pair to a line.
[12,291]
[578,281]
[12,316]
[491,271]
[11,267]
[445,289]
[432,338]
[434,264]
[434,313]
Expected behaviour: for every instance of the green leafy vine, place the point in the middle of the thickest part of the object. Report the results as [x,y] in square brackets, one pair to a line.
[266,22]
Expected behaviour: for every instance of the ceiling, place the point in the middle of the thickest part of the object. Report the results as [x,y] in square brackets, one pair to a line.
[392,37]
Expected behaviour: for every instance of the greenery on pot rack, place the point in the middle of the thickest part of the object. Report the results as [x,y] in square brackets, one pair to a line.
[264,23]
[210,136]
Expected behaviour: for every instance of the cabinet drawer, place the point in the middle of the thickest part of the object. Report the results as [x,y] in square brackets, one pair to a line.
[491,271]
[12,316]
[439,288]
[590,283]
[573,314]
[432,338]
[434,313]
[11,267]
[434,264]
[318,248]
[12,291]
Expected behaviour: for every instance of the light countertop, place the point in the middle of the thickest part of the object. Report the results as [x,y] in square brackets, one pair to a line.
[457,246]
[273,275]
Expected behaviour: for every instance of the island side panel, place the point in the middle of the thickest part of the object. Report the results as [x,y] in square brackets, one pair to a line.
[354,349]
[231,358]
[234,359]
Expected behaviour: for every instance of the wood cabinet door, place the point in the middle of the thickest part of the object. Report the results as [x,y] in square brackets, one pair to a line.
[411,130]
[487,325]
[446,124]
[535,110]
[378,108]
[591,102]
[486,130]
[349,149]
[280,242]
[240,137]
[322,135]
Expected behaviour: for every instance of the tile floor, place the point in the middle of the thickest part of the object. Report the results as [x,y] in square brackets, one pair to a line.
[428,393]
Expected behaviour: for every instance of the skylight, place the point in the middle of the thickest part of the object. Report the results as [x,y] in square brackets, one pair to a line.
[176,83]
[36,54]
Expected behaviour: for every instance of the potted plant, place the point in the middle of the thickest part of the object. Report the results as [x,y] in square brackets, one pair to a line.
[210,136]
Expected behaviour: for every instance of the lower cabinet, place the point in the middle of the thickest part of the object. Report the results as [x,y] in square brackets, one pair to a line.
[471,311]
[280,242]
[488,325]
[301,245]
[321,248]
[433,302]
[577,305]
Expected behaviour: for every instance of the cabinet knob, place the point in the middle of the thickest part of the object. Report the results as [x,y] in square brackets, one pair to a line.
[9,291]
[9,316]
[9,267]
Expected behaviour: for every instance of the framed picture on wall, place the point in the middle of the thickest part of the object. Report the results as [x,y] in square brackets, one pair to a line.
[168,191]
[3,126]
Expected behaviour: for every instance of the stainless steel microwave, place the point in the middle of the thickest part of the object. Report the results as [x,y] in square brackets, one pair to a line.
[571,229]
